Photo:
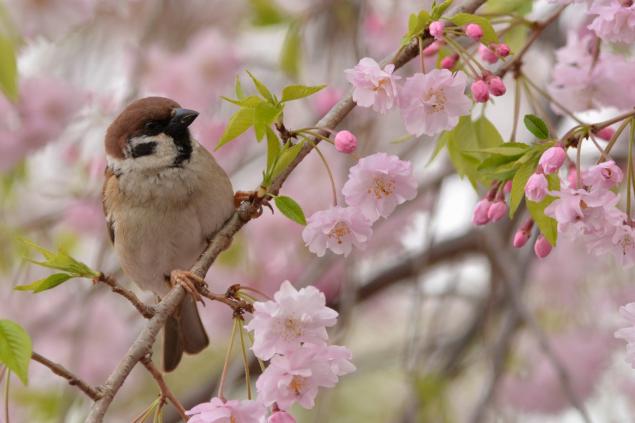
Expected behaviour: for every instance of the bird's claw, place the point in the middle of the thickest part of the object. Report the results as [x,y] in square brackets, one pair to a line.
[250,196]
[189,281]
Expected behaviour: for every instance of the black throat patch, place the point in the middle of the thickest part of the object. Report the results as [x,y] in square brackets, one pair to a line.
[183,147]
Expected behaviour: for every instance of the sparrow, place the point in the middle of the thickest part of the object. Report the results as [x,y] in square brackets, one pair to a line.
[164,196]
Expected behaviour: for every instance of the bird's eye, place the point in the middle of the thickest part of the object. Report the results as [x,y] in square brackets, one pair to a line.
[152,125]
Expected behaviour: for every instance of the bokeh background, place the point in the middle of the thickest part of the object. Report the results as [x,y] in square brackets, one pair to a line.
[426,308]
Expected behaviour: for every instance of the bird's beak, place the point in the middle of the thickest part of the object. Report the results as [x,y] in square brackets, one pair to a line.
[182,118]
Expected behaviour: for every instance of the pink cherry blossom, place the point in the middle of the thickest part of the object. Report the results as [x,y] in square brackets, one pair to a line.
[345,142]
[480,91]
[628,333]
[606,133]
[481,212]
[297,377]
[487,54]
[536,187]
[604,175]
[372,86]
[436,29]
[219,411]
[614,20]
[281,417]
[433,102]
[474,31]
[338,229]
[552,159]
[497,211]
[542,247]
[378,183]
[496,86]
[293,318]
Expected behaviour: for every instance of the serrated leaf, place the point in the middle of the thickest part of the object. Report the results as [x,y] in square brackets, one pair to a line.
[15,349]
[294,92]
[262,88]
[518,186]
[290,53]
[489,34]
[547,225]
[238,89]
[290,208]
[439,9]
[536,126]
[49,282]
[240,121]
[8,68]
[60,260]
[286,157]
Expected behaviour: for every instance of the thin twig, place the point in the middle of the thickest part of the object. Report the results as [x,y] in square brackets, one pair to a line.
[73,380]
[166,393]
[145,310]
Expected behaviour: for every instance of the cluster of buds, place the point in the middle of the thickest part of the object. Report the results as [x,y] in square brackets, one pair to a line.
[486,85]
[492,53]
[542,247]
[492,207]
[550,162]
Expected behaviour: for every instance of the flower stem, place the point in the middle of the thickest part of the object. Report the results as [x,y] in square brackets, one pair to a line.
[7,378]
[223,375]
[553,100]
[517,98]
[422,63]
[614,138]
[328,169]
[245,360]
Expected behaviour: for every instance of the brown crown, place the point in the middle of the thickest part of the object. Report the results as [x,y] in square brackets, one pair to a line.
[132,119]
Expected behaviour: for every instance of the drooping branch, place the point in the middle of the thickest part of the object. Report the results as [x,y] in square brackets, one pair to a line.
[222,240]
[73,380]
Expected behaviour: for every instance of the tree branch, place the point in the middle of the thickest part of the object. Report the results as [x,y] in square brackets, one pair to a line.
[222,240]
[73,380]
[145,310]
[166,393]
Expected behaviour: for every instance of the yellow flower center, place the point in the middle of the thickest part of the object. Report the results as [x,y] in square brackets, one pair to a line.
[382,187]
[296,384]
[292,329]
[437,98]
[339,231]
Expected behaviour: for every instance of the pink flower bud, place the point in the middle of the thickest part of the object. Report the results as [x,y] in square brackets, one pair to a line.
[507,188]
[432,49]
[606,133]
[502,50]
[448,62]
[542,247]
[345,142]
[497,211]
[520,238]
[436,29]
[474,31]
[480,92]
[281,417]
[480,216]
[552,159]
[486,54]
[496,86]
[536,188]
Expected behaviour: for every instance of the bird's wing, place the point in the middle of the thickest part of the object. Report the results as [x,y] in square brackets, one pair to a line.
[107,194]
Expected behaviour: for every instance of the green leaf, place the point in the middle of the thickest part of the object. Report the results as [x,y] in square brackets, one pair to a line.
[15,349]
[504,7]
[518,186]
[266,113]
[290,53]
[249,102]
[486,133]
[489,34]
[49,282]
[240,121]
[273,149]
[238,89]
[8,68]
[266,13]
[547,225]
[442,142]
[60,260]
[289,153]
[516,37]
[506,149]
[262,89]
[439,9]
[294,92]
[417,23]
[260,130]
[290,208]
[536,126]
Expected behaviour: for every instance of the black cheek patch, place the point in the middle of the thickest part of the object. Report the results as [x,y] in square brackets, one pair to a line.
[143,149]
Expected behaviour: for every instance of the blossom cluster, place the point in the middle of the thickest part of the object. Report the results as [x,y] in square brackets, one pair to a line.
[289,333]
[376,185]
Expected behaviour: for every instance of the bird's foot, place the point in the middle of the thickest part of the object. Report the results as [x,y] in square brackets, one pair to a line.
[251,196]
[189,281]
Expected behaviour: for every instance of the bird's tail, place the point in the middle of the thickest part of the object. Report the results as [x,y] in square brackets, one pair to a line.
[184,332]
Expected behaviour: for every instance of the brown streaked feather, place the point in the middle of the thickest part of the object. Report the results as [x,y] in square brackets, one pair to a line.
[131,120]
[108,194]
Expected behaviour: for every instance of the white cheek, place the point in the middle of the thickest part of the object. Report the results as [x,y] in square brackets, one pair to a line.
[163,156]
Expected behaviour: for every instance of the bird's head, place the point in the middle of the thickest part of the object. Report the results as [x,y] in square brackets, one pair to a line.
[150,134]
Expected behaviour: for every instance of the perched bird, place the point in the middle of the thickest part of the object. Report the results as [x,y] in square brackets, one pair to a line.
[163,197]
